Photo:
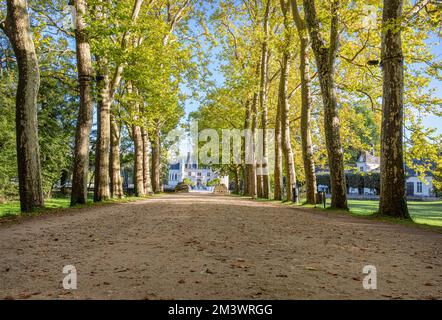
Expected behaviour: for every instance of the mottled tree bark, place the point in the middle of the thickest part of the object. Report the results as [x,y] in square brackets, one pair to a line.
[84,120]
[138,162]
[156,160]
[247,122]
[101,185]
[251,159]
[115,167]
[138,148]
[392,196]
[277,194]
[287,152]
[286,144]
[306,138]
[146,163]
[325,60]
[17,29]
[265,189]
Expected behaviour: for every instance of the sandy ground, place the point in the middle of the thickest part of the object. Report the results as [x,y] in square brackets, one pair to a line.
[199,246]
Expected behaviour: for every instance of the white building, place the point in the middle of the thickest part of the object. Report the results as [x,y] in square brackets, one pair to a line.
[200,175]
[367,163]
[414,185]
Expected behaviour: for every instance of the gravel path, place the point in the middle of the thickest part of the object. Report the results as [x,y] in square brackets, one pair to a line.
[199,246]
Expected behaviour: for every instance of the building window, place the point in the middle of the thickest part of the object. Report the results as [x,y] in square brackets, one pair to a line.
[208,174]
[199,174]
[419,187]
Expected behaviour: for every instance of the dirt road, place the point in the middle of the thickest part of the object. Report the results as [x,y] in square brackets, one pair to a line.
[198,246]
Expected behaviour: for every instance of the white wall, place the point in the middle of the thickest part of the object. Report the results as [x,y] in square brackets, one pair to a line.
[427,187]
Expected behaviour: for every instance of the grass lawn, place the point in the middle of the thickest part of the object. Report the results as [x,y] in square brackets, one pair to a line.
[12,208]
[421,212]
[429,213]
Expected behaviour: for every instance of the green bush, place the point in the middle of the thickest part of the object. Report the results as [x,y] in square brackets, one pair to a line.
[214,182]
[188,182]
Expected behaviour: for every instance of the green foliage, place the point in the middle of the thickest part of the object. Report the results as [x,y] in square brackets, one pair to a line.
[188,181]
[213,182]
[8,162]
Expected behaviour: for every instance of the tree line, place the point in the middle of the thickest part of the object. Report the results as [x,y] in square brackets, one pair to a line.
[331,78]
[304,68]
[130,60]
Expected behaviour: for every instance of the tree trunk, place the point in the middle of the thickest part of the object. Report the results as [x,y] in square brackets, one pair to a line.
[325,60]
[251,165]
[17,29]
[156,161]
[146,163]
[277,194]
[392,195]
[116,180]
[263,104]
[84,120]
[237,173]
[247,122]
[63,180]
[138,162]
[107,87]
[101,186]
[285,128]
[306,138]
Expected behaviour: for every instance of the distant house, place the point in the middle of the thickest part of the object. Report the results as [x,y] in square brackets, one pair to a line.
[415,187]
[189,168]
[368,163]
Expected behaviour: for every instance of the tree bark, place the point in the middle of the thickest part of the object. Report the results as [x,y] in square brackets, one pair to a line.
[251,166]
[116,180]
[247,122]
[84,120]
[101,185]
[277,194]
[263,104]
[63,180]
[306,138]
[18,31]
[156,160]
[287,152]
[285,129]
[237,172]
[392,196]
[138,162]
[146,163]
[325,60]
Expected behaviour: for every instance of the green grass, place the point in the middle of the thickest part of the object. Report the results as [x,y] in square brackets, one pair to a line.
[421,212]
[428,213]
[12,208]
